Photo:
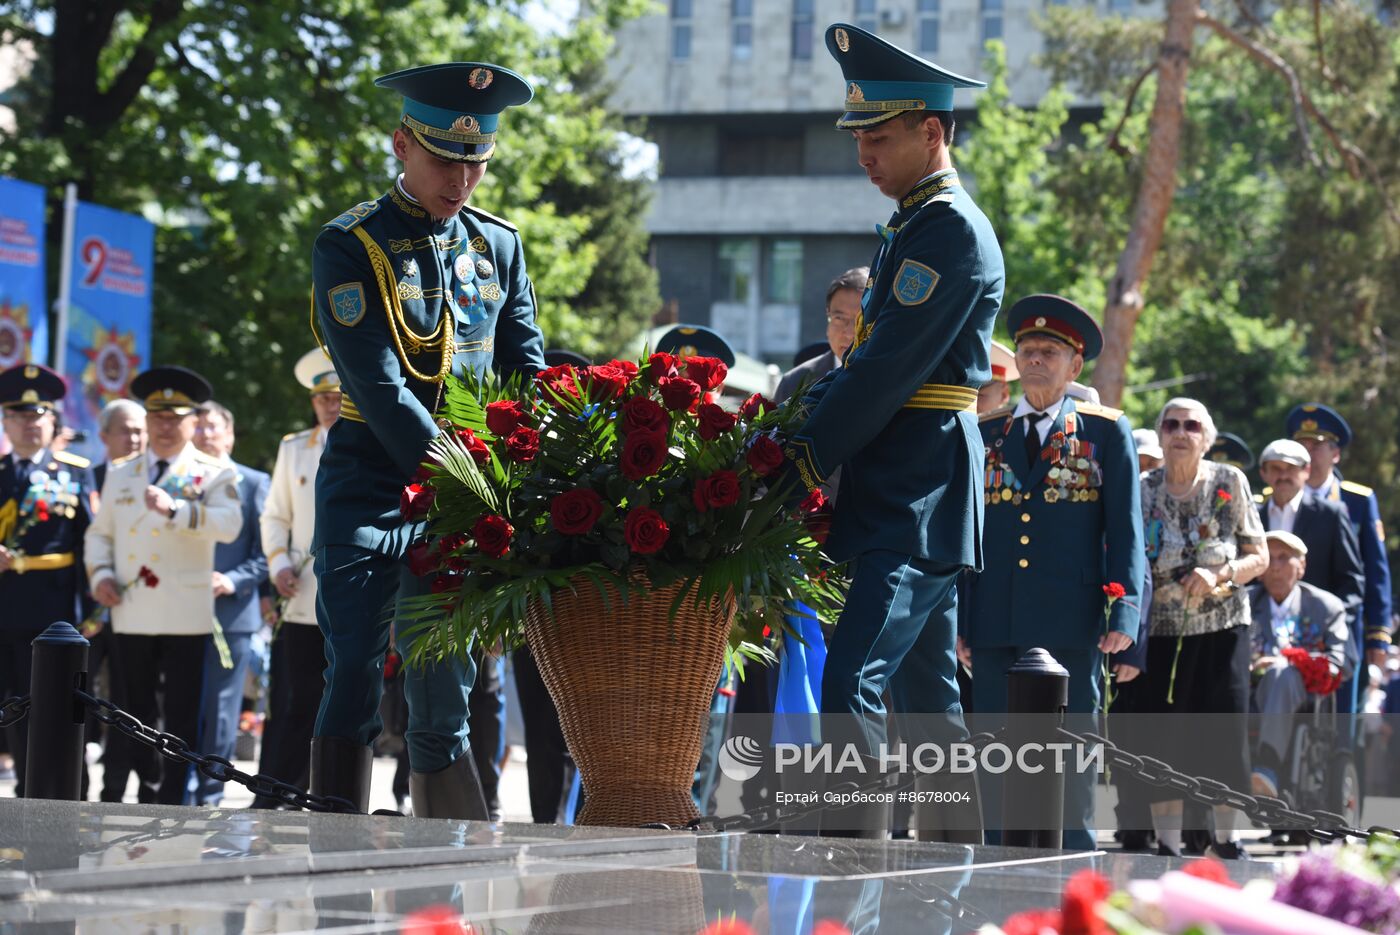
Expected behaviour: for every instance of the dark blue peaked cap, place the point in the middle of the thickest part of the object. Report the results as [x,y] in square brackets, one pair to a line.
[1314,420]
[883,80]
[1231,449]
[696,341]
[31,387]
[453,109]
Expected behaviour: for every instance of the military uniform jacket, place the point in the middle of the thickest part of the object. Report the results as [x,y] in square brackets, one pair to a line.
[125,536]
[38,596]
[289,518]
[388,281]
[911,475]
[1058,531]
[1365,514]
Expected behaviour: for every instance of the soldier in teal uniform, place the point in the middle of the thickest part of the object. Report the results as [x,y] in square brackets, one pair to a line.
[45,507]
[899,417]
[408,288]
[1064,519]
[1324,432]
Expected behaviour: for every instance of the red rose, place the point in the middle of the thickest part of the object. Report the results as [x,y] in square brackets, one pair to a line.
[475,447]
[720,489]
[646,532]
[1113,590]
[1032,922]
[714,421]
[641,414]
[678,392]
[523,444]
[414,501]
[709,372]
[815,501]
[575,512]
[1210,869]
[504,416]
[643,454]
[1079,904]
[448,547]
[753,406]
[445,584]
[626,366]
[662,365]
[605,382]
[562,380]
[764,456]
[421,560]
[492,534]
[41,512]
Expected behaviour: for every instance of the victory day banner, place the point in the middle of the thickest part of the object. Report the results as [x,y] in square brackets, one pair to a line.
[24,332]
[109,313]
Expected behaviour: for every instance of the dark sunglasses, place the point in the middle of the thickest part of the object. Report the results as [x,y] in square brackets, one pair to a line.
[1189,426]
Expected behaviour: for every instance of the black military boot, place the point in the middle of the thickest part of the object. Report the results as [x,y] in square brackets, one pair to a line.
[451,792]
[341,768]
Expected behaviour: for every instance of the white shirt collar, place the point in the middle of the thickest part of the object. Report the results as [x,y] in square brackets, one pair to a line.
[39,458]
[398,183]
[1291,606]
[1024,408]
[1322,492]
[152,458]
[1290,506]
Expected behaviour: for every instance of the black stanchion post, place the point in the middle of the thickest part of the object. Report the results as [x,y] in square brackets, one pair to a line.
[55,767]
[1037,693]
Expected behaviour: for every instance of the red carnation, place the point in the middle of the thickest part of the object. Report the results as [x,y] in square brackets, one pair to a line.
[642,414]
[41,511]
[661,365]
[678,393]
[504,416]
[606,382]
[714,421]
[475,447]
[1032,922]
[1210,869]
[709,372]
[643,454]
[1223,496]
[421,560]
[730,926]
[720,489]
[1079,905]
[492,534]
[829,927]
[816,500]
[414,501]
[147,577]
[436,920]
[575,512]
[562,380]
[753,406]
[646,532]
[523,444]
[1113,591]
[764,456]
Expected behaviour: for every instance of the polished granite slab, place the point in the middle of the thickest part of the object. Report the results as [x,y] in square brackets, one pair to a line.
[297,873]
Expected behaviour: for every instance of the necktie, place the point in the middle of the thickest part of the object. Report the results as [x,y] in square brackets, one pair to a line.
[1033,445]
[22,468]
[161,465]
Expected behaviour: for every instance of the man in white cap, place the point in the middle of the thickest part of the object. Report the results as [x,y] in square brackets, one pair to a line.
[288,521]
[1149,449]
[1334,556]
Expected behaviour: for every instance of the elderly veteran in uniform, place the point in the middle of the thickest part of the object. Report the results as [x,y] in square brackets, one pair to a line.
[1288,612]
[409,288]
[46,503]
[150,558]
[842,308]
[1063,521]
[287,524]
[899,417]
[1324,432]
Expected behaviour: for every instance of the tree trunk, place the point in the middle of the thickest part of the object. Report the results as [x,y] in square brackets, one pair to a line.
[1154,198]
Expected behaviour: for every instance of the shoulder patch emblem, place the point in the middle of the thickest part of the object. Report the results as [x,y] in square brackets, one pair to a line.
[347,303]
[914,283]
[354,216]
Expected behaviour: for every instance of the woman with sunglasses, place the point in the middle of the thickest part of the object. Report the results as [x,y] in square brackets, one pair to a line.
[1204,541]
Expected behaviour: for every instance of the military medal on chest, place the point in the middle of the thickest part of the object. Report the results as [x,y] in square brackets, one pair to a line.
[1074,474]
[466,295]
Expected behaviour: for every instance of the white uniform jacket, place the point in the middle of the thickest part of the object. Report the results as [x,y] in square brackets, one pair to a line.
[289,518]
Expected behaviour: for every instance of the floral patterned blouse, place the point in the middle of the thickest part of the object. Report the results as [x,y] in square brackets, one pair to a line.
[1205,528]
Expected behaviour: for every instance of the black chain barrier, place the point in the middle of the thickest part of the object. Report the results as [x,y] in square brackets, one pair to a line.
[214,767]
[13,710]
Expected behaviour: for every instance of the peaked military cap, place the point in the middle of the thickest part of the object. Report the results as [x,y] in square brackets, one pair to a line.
[1231,449]
[696,341]
[453,109]
[171,389]
[1058,318]
[1004,363]
[558,357]
[1314,420]
[883,80]
[316,372]
[30,388]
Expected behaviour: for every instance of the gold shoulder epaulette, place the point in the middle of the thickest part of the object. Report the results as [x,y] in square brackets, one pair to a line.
[131,457]
[293,435]
[1352,486]
[487,215]
[63,457]
[1094,409]
[203,458]
[998,413]
[352,218]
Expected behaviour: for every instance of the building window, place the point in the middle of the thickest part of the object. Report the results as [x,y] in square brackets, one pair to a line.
[745,152]
[928,26]
[680,29]
[741,26]
[802,30]
[784,272]
[737,269]
[865,15]
[991,19]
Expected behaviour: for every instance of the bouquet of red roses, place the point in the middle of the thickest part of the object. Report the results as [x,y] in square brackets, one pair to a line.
[1316,670]
[626,475]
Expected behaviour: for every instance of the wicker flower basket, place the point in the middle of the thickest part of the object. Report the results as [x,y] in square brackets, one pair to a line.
[633,692]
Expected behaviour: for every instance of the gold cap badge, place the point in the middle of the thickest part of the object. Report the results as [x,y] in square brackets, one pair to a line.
[480,78]
[854,95]
[466,124]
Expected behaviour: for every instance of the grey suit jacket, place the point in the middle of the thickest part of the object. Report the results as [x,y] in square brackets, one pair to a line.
[1318,609]
[807,372]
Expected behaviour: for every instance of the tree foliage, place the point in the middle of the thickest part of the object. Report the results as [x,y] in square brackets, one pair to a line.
[242,127]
